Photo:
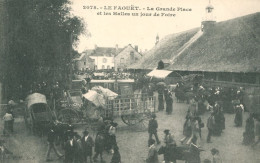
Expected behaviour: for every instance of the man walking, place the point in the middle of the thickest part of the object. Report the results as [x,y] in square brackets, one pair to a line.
[152,128]
[87,145]
[51,145]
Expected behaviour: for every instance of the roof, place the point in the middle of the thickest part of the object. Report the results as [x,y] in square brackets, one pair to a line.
[80,57]
[159,73]
[232,46]
[101,51]
[164,50]
[137,52]
[85,53]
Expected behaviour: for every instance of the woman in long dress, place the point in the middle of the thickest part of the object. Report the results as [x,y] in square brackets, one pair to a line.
[249,134]
[239,115]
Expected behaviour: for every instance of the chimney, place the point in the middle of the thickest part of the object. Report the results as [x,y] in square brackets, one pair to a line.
[136,48]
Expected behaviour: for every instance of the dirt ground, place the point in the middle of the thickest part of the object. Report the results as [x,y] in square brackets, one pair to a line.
[133,143]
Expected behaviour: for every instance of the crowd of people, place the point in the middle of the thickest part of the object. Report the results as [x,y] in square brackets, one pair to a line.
[217,101]
[108,75]
[79,149]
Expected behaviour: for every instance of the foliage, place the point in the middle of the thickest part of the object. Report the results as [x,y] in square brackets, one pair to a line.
[40,38]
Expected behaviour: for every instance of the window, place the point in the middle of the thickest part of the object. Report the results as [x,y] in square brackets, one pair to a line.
[104,60]
[103,66]
[108,67]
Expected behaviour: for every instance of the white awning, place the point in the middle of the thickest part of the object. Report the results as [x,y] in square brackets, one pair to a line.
[159,73]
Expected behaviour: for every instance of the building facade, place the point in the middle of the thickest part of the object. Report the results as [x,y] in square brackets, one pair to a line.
[103,62]
[129,55]
[84,62]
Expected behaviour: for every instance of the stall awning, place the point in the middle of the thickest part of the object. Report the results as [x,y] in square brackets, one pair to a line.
[159,73]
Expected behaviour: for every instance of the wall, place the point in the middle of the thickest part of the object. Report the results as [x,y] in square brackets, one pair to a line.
[99,62]
[79,64]
[127,60]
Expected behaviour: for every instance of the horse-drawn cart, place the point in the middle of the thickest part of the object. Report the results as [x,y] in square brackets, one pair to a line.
[101,102]
[38,115]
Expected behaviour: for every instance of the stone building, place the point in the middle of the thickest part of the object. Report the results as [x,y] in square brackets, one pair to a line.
[127,56]
[84,62]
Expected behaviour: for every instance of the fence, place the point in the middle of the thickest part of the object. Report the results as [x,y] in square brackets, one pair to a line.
[128,106]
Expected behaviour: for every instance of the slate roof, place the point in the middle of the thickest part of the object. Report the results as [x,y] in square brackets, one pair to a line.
[101,51]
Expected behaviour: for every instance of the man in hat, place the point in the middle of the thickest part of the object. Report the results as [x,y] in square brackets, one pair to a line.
[216,156]
[152,154]
[168,139]
[70,149]
[99,146]
[79,151]
[112,136]
[170,145]
[51,145]
[68,131]
[87,145]
[152,128]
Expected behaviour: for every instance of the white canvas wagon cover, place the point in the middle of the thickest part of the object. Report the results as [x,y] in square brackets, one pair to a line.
[36,98]
[159,73]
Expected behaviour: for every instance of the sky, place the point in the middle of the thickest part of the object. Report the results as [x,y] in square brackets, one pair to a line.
[112,30]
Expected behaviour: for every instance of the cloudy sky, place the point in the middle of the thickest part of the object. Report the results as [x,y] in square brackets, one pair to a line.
[109,30]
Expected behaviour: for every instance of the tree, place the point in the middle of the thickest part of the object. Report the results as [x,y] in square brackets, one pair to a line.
[41,34]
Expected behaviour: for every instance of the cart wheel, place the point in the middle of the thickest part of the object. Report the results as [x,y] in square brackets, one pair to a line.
[144,120]
[68,116]
[130,119]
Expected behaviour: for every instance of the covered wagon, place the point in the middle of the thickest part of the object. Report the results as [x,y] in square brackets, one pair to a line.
[38,115]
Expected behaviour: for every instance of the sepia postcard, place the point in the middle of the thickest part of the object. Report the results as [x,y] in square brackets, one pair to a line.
[130,81]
